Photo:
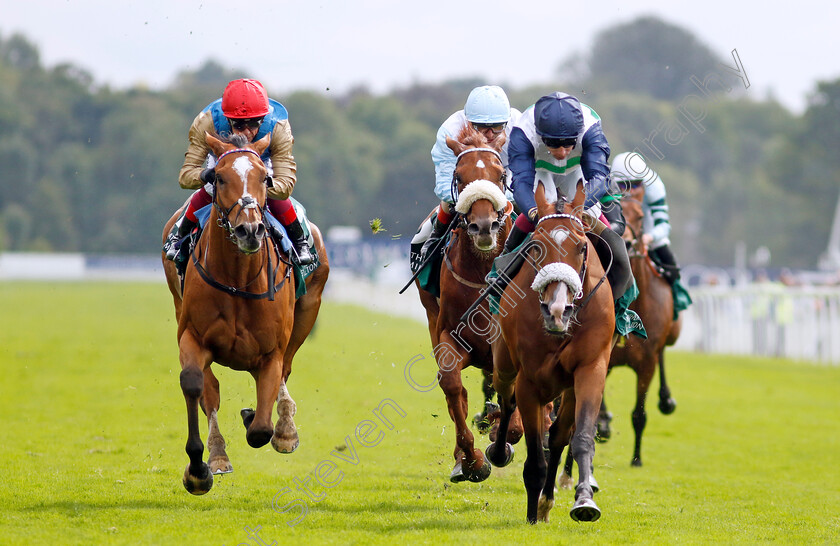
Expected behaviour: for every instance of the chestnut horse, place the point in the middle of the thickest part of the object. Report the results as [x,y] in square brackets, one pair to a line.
[238,308]
[477,240]
[557,321]
[655,306]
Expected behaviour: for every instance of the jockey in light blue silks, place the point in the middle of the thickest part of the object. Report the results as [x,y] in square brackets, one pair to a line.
[629,169]
[488,110]
[557,142]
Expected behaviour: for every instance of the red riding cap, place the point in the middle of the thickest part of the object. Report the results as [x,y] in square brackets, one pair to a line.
[244,99]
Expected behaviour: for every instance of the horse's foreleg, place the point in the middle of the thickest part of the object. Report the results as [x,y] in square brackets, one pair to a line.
[285,438]
[500,452]
[268,378]
[469,461]
[644,375]
[667,405]
[217,457]
[197,476]
[558,438]
[589,388]
[534,470]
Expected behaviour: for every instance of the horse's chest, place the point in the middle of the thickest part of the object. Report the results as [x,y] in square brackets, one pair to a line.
[240,343]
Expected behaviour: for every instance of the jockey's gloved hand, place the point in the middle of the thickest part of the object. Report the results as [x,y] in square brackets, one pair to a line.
[208,176]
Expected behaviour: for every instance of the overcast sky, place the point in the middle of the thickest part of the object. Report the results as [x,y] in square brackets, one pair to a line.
[339,44]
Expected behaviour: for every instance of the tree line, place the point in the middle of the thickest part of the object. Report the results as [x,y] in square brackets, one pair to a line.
[87,168]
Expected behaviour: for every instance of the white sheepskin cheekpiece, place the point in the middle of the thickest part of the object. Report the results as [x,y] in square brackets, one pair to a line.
[480,189]
[558,271]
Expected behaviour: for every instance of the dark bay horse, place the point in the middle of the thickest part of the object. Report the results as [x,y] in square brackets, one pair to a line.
[477,239]
[557,321]
[655,306]
[238,308]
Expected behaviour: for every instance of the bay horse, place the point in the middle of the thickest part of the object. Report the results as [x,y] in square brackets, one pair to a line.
[655,306]
[478,238]
[557,321]
[237,308]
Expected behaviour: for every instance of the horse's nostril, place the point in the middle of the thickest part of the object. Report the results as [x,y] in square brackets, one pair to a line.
[260,231]
[495,226]
[472,229]
[240,232]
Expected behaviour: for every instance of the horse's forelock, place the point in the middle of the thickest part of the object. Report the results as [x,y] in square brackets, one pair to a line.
[238,140]
[470,137]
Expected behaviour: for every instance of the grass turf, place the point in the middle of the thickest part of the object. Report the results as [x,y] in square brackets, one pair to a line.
[94,428]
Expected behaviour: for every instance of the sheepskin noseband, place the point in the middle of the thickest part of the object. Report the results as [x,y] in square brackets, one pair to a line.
[480,189]
[558,271]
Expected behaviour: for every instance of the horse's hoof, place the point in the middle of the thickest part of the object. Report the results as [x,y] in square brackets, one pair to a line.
[258,438]
[457,475]
[667,405]
[637,462]
[481,423]
[503,459]
[220,466]
[566,482]
[544,506]
[247,416]
[585,510]
[480,474]
[285,445]
[199,484]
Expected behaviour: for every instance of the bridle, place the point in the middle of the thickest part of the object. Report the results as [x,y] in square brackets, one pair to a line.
[223,221]
[245,203]
[455,178]
[583,270]
[462,221]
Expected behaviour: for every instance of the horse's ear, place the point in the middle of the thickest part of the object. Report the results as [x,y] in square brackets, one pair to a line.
[215,144]
[580,197]
[544,208]
[261,145]
[455,146]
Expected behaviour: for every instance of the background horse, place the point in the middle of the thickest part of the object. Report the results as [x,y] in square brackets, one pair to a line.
[476,241]
[557,321]
[655,306]
[238,309]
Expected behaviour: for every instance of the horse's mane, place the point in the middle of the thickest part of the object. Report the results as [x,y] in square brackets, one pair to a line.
[470,137]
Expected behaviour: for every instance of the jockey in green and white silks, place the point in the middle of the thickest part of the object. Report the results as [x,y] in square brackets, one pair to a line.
[630,169]
[488,110]
[557,142]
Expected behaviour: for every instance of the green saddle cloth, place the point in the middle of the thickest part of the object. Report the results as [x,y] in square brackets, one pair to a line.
[682,299]
[303,272]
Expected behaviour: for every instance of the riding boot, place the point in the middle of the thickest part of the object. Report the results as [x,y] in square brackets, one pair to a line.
[612,211]
[611,248]
[665,258]
[180,230]
[514,239]
[438,229]
[301,246]
[508,264]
